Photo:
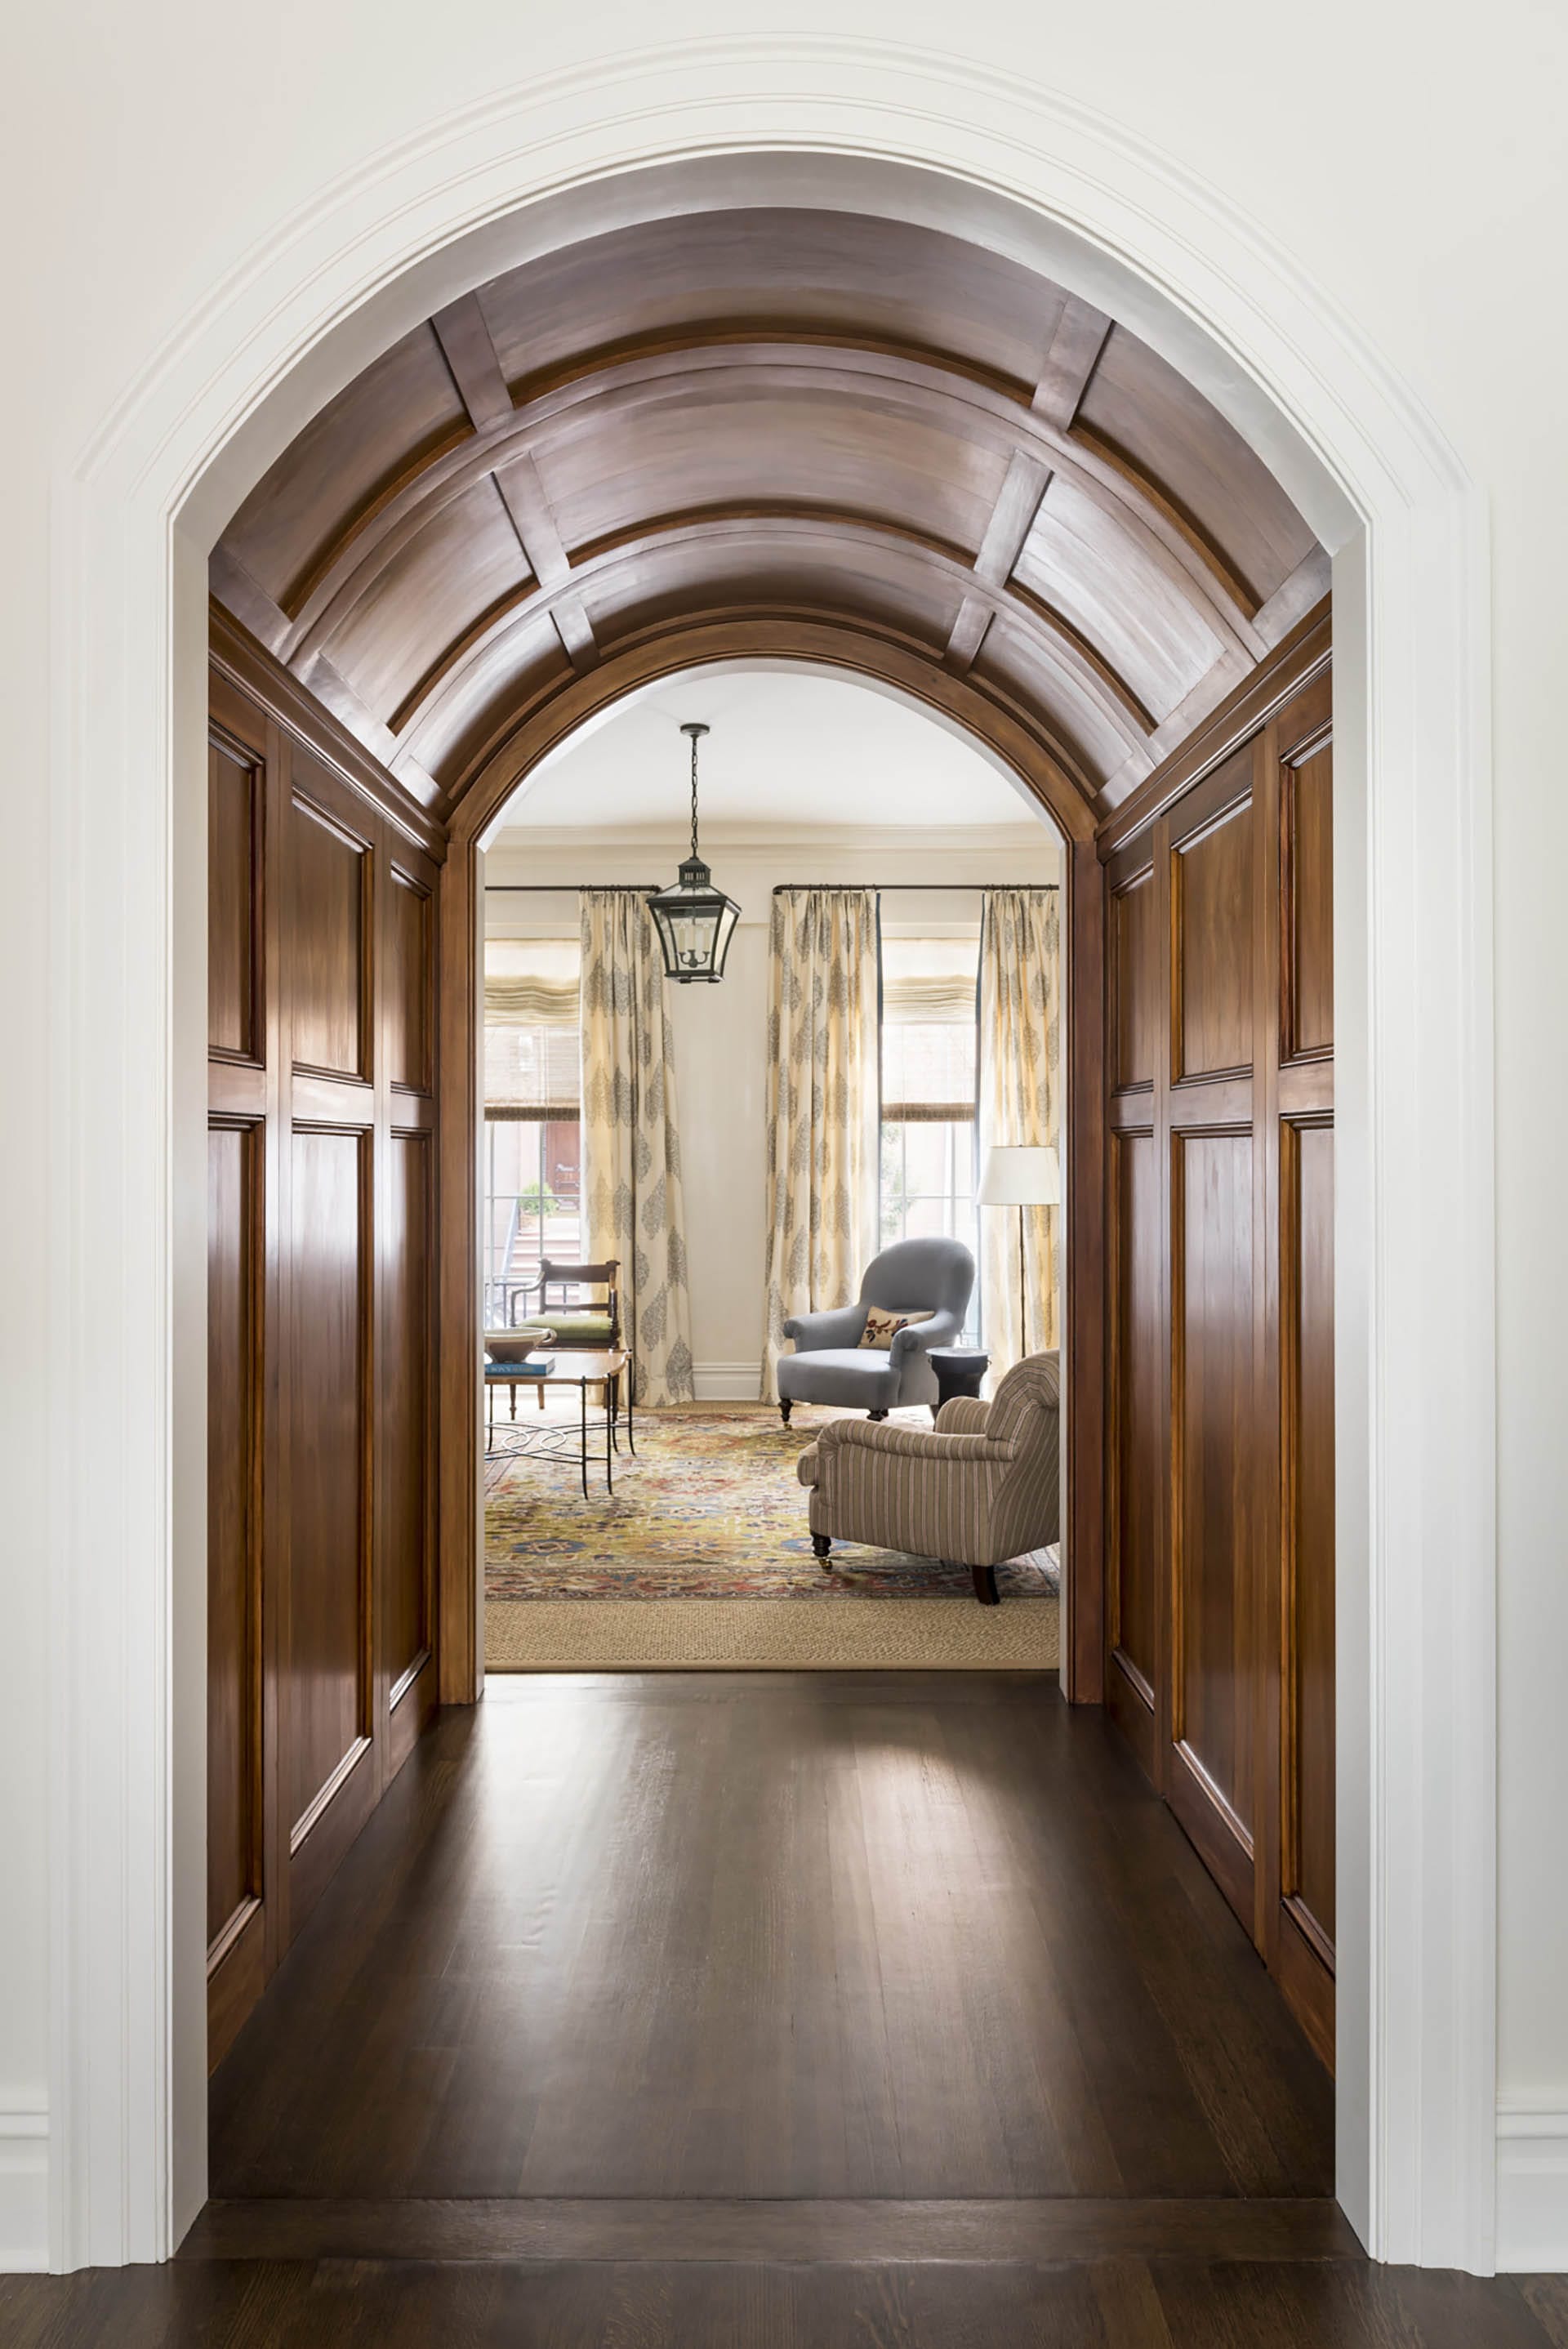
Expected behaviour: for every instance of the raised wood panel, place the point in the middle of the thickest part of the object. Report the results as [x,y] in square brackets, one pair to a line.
[234,904]
[1137,1436]
[408,1485]
[407,1002]
[328,1583]
[327,936]
[1306,815]
[1307,1250]
[1135,979]
[1213,913]
[233,1533]
[1214,1434]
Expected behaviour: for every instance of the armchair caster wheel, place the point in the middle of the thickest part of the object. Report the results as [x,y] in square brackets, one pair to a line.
[985,1590]
[876,1414]
[785,1408]
[822,1544]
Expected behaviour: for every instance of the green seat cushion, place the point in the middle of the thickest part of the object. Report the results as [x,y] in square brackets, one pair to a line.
[588,1330]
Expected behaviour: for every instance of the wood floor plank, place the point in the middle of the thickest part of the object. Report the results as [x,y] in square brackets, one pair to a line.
[1127,2304]
[1073,2228]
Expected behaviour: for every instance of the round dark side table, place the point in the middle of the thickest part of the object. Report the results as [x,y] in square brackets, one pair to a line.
[959,1370]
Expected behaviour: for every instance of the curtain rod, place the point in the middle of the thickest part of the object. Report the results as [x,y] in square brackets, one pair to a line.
[647,889]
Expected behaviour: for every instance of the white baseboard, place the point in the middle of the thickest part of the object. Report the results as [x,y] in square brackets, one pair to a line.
[23,2189]
[727,1381]
[1531,2191]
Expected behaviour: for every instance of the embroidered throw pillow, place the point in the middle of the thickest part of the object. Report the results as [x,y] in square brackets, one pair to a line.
[882,1328]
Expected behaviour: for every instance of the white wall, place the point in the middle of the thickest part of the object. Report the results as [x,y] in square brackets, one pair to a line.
[720,1032]
[1409,158]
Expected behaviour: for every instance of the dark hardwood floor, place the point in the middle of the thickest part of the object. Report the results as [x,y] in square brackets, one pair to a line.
[771,1934]
[773,2009]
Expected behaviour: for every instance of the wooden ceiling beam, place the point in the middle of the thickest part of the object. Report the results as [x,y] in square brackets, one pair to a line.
[1070,362]
[469,354]
[1012,519]
[575,632]
[522,494]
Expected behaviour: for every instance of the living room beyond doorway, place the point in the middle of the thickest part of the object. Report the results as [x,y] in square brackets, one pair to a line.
[748,1217]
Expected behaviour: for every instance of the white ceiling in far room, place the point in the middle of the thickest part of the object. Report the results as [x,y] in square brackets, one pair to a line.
[791,750]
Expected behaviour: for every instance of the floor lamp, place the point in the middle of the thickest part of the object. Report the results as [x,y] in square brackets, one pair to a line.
[1021,1175]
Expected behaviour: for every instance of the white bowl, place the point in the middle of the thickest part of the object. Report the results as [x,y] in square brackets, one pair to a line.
[516,1345]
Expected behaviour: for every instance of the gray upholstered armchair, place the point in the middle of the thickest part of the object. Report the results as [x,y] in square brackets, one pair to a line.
[933,1276]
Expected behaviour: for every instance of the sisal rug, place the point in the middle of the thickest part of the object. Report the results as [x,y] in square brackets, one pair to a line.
[563,1635]
[710,1510]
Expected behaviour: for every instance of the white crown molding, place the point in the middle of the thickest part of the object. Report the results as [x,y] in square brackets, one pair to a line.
[1533,2189]
[1189,270]
[937,844]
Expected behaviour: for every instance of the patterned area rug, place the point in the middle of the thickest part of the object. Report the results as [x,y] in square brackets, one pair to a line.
[710,1509]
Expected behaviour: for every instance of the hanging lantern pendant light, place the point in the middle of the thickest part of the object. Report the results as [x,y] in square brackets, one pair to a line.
[694,921]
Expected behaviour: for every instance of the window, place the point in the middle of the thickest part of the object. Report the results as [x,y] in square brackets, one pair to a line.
[533,1162]
[928,1129]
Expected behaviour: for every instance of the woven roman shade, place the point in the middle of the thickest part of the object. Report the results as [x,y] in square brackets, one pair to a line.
[532,1039]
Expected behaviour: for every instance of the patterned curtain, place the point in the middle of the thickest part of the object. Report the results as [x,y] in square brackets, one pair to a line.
[631,1143]
[1020,962]
[823,1104]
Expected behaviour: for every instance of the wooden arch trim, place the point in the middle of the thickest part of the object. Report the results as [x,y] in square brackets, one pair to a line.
[1020,739]
[880,658]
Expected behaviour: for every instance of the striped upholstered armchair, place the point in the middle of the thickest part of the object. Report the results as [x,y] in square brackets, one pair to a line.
[981,1486]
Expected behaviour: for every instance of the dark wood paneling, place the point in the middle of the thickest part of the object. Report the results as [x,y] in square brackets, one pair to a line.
[407,1493]
[1308,821]
[327,1662]
[1135,983]
[409,1000]
[327,920]
[1221,1432]
[1139,1437]
[233,907]
[1306,1252]
[1214,1626]
[321,1220]
[1212,906]
[234,1882]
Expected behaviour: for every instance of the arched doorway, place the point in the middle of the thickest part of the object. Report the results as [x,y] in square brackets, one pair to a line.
[1391,469]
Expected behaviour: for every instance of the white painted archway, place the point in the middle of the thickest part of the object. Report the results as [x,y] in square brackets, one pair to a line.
[1414,974]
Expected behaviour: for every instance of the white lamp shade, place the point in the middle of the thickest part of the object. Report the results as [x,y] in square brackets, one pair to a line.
[1020,1175]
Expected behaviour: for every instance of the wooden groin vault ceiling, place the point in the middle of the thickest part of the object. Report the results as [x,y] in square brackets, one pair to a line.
[784,412]
[831,437]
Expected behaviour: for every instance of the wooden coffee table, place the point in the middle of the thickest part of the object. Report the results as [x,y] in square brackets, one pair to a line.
[569,1442]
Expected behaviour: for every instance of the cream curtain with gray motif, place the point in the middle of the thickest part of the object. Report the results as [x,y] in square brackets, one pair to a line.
[1020,965]
[630,1145]
[823,1103]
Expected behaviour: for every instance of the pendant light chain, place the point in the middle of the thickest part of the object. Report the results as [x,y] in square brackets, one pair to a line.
[695,739]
